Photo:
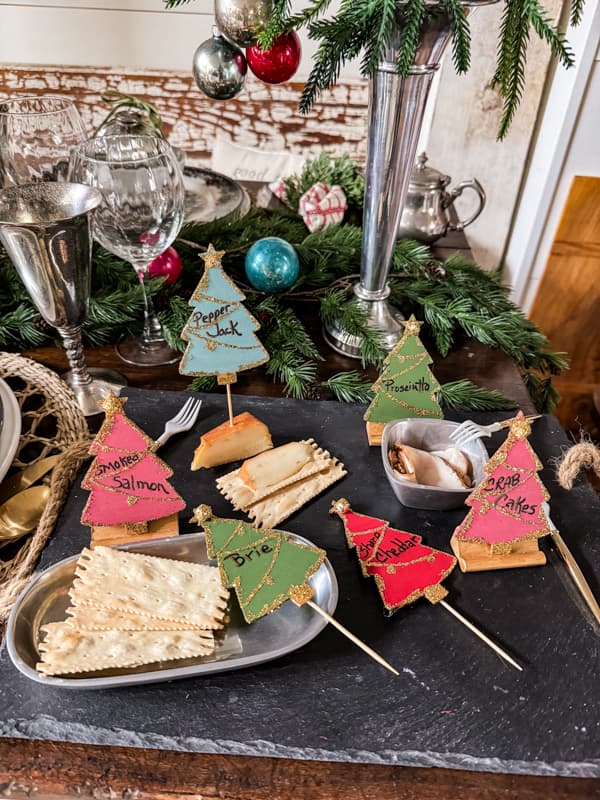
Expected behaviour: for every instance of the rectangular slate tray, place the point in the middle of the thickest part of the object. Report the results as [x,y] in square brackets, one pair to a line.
[455,704]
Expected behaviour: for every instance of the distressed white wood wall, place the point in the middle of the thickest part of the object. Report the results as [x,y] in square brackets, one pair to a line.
[131,36]
[463,142]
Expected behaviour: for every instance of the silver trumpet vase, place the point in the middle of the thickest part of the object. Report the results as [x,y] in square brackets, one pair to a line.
[396,109]
[46,231]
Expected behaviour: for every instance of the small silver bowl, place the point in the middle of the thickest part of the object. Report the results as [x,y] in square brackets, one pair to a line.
[429,434]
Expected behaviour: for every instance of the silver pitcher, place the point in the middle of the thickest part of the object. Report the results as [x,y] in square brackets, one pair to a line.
[45,229]
[425,216]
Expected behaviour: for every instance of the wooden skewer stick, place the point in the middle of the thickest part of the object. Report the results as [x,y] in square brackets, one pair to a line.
[229,404]
[576,573]
[496,648]
[352,637]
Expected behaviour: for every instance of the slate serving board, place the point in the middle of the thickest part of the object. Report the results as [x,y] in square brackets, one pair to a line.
[455,704]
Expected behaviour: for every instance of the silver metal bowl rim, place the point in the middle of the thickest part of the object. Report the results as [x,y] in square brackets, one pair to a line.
[398,481]
[165,674]
[93,201]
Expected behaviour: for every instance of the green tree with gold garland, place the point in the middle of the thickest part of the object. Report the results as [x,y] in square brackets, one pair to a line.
[406,386]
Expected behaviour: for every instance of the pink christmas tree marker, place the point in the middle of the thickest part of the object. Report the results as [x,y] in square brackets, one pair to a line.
[127,482]
[506,507]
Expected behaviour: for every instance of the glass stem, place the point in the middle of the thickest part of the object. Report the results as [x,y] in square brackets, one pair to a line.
[153,331]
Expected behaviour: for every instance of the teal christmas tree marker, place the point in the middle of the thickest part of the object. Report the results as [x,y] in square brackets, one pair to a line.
[220,331]
[406,386]
[266,568]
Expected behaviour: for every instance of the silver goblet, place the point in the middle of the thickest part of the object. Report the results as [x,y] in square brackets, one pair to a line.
[46,231]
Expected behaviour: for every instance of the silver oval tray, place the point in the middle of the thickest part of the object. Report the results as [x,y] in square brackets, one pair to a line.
[45,599]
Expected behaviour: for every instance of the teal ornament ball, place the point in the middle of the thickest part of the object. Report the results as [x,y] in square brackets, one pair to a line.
[272,265]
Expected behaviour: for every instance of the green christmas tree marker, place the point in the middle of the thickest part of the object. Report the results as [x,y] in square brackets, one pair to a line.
[406,386]
[266,568]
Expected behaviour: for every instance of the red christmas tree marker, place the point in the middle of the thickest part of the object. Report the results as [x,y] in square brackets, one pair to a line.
[403,568]
[127,482]
[507,515]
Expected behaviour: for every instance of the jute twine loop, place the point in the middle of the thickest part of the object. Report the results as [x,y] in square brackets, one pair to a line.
[584,455]
[52,423]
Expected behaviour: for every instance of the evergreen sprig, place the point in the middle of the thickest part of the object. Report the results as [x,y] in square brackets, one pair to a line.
[465,394]
[367,26]
[456,299]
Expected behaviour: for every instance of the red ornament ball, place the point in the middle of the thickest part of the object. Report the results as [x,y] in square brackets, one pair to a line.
[280,62]
[167,265]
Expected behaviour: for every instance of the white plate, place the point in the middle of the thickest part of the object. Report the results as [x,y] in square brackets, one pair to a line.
[11,427]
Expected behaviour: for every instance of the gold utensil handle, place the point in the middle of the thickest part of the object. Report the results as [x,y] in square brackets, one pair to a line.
[576,574]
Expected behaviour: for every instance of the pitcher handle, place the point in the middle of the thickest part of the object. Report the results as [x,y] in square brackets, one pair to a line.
[478,189]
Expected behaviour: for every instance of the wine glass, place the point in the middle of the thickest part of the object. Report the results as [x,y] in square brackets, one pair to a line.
[36,138]
[37,134]
[141,214]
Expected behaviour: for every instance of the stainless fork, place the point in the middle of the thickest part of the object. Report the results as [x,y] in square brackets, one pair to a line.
[469,430]
[182,421]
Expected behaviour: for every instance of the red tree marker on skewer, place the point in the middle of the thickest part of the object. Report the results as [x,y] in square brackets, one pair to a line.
[403,568]
[127,482]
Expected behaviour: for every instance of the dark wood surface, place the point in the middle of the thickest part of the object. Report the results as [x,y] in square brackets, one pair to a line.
[52,770]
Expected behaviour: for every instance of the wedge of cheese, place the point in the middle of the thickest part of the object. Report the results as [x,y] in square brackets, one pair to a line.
[267,469]
[247,437]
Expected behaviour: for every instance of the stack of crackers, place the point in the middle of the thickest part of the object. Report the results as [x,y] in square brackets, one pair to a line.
[277,482]
[130,609]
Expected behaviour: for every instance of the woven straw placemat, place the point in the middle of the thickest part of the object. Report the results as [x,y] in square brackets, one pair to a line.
[52,423]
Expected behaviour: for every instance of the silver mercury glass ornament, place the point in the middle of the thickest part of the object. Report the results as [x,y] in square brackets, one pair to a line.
[242,20]
[219,67]
[46,231]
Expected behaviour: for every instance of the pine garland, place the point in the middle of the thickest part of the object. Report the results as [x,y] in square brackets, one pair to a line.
[365,26]
[455,299]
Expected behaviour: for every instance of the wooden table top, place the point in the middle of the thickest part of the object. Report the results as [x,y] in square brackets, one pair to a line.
[50,770]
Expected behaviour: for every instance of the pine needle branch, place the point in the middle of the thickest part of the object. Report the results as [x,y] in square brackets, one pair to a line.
[467,395]
[461,36]
[349,387]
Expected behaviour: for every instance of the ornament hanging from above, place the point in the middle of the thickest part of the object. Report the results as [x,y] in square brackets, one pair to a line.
[272,265]
[243,20]
[219,67]
[280,62]
[406,386]
[167,265]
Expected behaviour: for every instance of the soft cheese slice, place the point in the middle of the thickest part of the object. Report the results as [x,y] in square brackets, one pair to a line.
[274,466]
[247,437]
[459,460]
[427,469]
